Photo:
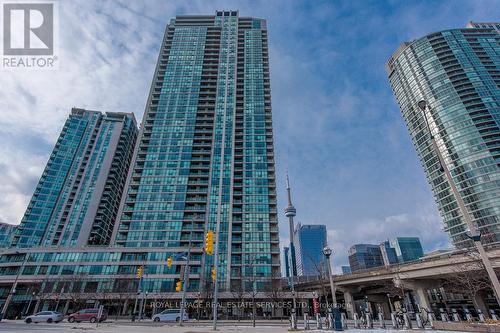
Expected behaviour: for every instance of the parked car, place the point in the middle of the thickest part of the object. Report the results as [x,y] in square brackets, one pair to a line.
[45,316]
[170,315]
[87,315]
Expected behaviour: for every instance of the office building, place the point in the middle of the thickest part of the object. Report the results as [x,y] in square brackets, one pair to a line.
[286,260]
[346,270]
[205,157]
[6,233]
[365,256]
[310,240]
[389,255]
[456,73]
[407,248]
[77,197]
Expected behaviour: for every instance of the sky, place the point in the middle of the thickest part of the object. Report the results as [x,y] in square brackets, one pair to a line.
[338,131]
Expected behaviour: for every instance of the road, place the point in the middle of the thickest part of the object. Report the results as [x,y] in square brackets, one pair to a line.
[18,326]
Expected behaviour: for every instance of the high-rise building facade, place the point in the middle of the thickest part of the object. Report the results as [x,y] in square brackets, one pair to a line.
[77,197]
[407,248]
[310,240]
[485,25]
[389,255]
[365,256]
[286,260]
[457,73]
[205,157]
[346,270]
[6,233]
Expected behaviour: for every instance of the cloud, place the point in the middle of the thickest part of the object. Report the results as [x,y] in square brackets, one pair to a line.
[426,225]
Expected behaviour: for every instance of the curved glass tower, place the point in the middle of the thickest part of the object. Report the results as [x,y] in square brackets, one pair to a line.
[458,73]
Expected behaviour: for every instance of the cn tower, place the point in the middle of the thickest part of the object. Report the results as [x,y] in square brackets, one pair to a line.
[290,212]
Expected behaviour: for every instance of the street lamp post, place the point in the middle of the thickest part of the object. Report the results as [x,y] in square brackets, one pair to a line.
[185,278]
[14,285]
[475,234]
[328,252]
[29,304]
[145,298]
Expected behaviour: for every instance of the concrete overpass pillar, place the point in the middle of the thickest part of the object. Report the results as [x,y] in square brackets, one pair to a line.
[480,304]
[37,305]
[349,304]
[423,299]
[66,306]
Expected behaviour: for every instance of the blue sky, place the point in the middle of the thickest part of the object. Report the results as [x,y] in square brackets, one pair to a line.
[338,130]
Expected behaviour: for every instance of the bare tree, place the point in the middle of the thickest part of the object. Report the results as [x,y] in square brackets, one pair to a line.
[322,276]
[205,296]
[469,278]
[274,291]
[251,279]
[238,292]
[396,287]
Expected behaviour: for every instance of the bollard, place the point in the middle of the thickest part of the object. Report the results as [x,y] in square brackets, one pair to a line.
[306,322]
[443,314]
[369,321]
[319,326]
[356,321]
[480,314]
[381,320]
[407,321]
[468,316]
[418,318]
[344,321]
[394,321]
[455,315]
[331,324]
[431,318]
[293,321]
[493,315]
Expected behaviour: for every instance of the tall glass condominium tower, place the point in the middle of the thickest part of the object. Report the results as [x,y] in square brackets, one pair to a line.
[77,197]
[310,240]
[458,73]
[205,158]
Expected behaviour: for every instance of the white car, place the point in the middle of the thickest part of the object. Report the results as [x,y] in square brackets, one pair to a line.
[45,317]
[170,315]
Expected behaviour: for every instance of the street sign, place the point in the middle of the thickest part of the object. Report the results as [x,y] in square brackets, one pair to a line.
[99,313]
[315,306]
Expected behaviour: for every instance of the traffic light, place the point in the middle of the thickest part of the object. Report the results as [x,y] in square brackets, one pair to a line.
[178,286]
[209,243]
[214,274]
[140,272]
[169,262]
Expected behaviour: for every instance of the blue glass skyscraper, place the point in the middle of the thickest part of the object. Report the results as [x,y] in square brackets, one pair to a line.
[205,157]
[286,260]
[310,239]
[6,233]
[76,200]
[365,256]
[389,254]
[407,248]
[457,73]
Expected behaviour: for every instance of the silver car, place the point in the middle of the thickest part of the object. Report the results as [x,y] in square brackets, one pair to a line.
[45,317]
[170,315]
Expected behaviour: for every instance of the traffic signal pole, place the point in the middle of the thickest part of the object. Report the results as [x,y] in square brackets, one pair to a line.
[142,294]
[216,289]
[139,275]
[185,279]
